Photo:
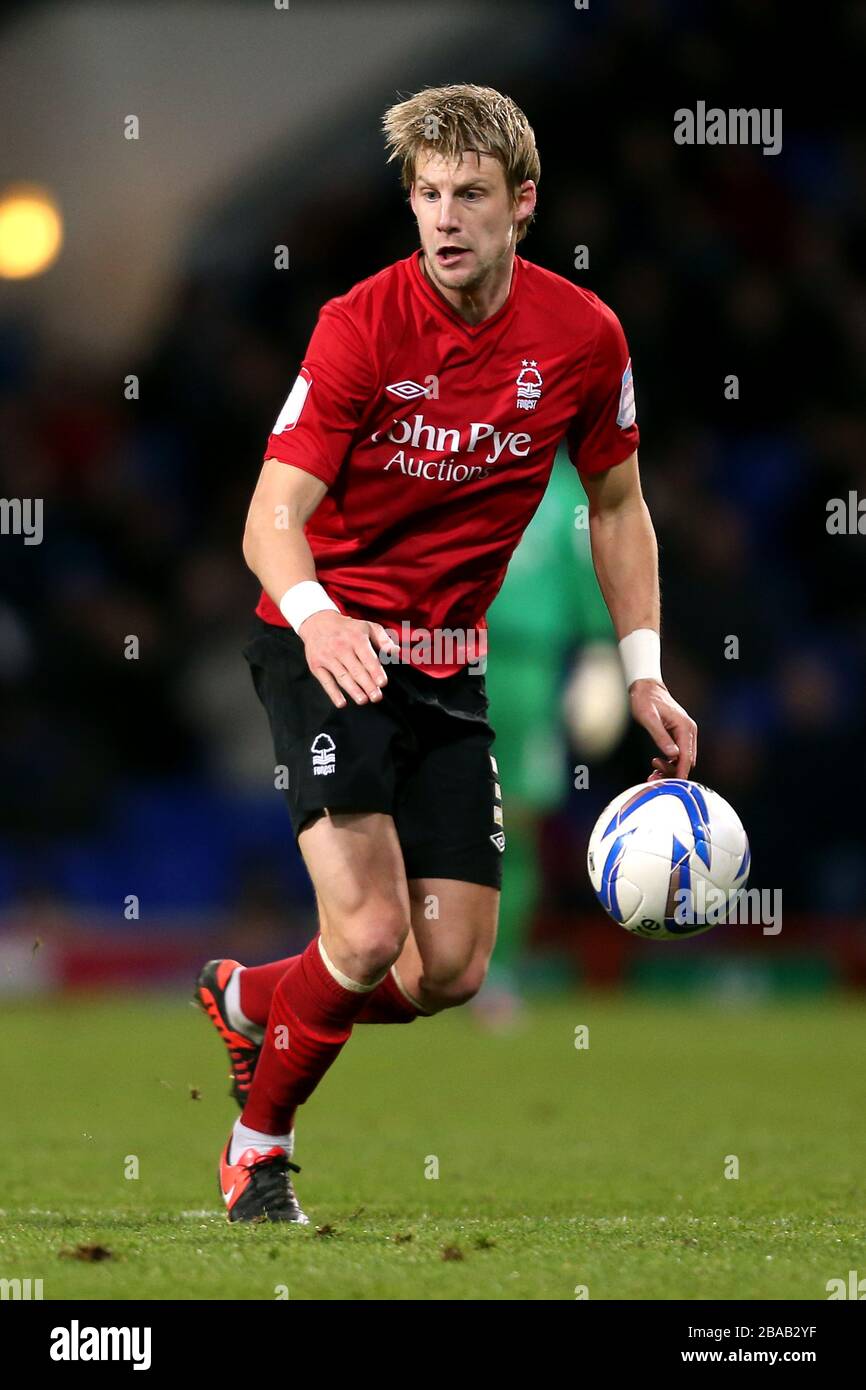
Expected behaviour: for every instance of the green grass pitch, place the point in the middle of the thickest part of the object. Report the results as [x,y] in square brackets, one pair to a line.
[558,1168]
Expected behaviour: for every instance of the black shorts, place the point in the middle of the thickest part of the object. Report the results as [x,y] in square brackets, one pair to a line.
[421,755]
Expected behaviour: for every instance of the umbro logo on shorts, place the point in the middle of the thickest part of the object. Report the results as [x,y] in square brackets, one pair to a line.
[323,750]
[499,841]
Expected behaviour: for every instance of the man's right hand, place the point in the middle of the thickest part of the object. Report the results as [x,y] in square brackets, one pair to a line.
[343,655]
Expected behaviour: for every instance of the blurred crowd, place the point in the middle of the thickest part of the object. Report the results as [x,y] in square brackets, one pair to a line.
[721,263]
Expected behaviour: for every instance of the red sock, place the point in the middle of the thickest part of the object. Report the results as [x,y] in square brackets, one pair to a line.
[257,985]
[311,1016]
[385,1004]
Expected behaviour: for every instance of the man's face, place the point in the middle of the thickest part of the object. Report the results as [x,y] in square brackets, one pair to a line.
[467,217]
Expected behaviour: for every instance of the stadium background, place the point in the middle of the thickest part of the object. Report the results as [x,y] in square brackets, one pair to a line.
[259,128]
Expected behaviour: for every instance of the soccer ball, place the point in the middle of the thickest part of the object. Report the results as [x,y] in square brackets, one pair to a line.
[668,859]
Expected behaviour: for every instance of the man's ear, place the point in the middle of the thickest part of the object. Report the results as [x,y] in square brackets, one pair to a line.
[523,222]
[412,196]
[527,187]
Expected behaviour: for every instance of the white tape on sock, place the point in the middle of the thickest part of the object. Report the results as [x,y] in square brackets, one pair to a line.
[344,979]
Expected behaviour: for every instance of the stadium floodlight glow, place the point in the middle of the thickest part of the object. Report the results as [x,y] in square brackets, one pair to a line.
[31,231]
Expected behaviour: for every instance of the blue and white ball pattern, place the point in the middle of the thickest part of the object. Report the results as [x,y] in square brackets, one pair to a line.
[668,858]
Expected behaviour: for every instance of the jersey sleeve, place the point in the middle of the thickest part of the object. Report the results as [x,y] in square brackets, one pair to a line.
[334,386]
[604,431]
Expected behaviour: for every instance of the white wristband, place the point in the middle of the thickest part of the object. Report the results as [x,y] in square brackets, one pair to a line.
[303,600]
[641,653]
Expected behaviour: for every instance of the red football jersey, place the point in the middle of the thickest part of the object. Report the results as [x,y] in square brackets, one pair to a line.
[436,439]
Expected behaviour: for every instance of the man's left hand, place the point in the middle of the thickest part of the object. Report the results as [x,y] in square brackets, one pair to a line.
[674,731]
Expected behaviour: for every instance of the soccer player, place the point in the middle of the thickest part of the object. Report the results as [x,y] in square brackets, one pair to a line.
[405,465]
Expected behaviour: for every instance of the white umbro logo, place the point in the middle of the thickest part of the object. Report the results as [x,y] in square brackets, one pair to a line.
[406,390]
[499,841]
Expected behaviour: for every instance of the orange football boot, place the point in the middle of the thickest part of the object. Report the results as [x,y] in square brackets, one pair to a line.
[258,1187]
[210,995]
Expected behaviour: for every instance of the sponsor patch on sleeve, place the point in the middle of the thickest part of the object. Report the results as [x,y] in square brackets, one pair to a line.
[626,416]
[291,411]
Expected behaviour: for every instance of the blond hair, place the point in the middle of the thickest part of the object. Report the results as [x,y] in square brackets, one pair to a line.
[452,121]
